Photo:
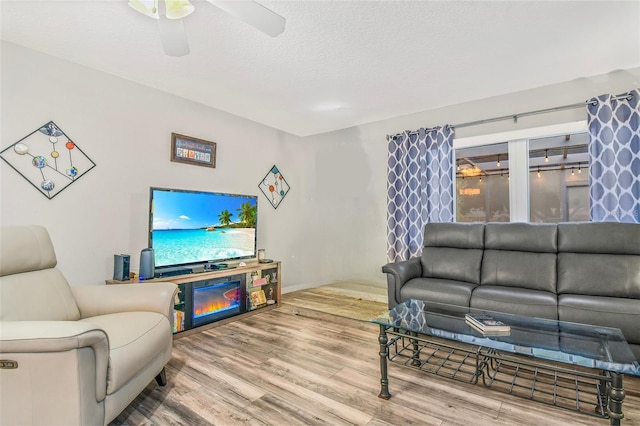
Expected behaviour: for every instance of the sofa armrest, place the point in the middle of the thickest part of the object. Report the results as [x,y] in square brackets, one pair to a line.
[398,273]
[94,300]
[33,337]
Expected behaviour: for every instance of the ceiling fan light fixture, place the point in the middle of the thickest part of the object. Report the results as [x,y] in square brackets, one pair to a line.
[173,37]
[178,9]
[146,7]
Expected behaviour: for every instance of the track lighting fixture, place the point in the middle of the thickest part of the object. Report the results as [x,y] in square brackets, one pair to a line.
[579,169]
[546,155]
[539,174]
[498,162]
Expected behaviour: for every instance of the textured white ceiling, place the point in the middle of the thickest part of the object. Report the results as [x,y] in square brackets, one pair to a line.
[341,63]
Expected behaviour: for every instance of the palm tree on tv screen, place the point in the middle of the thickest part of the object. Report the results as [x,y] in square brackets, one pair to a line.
[247,214]
[225,217]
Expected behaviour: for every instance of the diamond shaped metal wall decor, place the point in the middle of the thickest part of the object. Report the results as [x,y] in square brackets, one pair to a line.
[48,159]
[274,187]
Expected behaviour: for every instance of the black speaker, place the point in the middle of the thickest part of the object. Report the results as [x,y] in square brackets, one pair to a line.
[147,264]
[121,266]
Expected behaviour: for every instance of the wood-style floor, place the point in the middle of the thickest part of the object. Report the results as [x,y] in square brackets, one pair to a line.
[309,363]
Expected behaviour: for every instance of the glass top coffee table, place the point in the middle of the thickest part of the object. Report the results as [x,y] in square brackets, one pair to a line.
[569,365]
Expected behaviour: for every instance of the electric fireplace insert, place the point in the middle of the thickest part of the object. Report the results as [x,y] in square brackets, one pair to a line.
[214,299]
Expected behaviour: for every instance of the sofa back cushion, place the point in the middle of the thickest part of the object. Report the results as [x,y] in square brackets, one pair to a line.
[31,288]
[599,259]
[520,255]
[37,296]
[453,251]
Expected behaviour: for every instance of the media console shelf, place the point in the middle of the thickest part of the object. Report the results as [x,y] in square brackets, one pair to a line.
[212,298]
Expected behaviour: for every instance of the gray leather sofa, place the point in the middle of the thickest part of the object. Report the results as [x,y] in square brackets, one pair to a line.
[579,272]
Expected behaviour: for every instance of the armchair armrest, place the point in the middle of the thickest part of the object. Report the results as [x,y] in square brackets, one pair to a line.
[94,300]
[398,273]
[32,337]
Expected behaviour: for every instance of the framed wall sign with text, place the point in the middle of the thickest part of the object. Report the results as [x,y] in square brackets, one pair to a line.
[185,149]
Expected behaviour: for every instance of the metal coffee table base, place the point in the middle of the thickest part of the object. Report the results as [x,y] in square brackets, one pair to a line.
[598,395]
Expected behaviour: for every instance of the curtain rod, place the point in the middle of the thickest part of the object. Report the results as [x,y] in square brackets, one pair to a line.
[514,117]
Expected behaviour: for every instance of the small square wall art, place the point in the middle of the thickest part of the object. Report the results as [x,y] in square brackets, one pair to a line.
[274,187]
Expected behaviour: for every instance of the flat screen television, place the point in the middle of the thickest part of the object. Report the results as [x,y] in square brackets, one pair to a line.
[188,229]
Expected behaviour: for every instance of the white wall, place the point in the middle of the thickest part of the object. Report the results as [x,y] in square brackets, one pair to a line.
[125,128]
[332,224]
[350,165]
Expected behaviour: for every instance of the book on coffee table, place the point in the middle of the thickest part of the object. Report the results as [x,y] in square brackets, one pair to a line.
[489,332]
[486,324]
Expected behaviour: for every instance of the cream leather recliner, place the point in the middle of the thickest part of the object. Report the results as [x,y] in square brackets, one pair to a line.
[74,355]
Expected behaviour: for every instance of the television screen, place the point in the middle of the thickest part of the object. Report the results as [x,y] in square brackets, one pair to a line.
[195,227]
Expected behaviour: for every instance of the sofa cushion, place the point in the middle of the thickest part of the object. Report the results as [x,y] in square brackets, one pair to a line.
[520,255]
[614,312]
[513,300]
[599,274]
[32,240]
[438,290]
[527,237]
[599,259]
[134,339]
[37,296]
[515,269]
[458,235]
[452,264]
[32,289]
[599,237]
[453,251]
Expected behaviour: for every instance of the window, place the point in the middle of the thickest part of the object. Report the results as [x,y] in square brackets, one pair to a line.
[482,184]
[558,179]
[536,175]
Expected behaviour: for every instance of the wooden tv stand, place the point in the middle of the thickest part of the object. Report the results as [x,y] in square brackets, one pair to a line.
[254,276]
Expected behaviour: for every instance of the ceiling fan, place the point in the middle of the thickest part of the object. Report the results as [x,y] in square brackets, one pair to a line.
[171,26]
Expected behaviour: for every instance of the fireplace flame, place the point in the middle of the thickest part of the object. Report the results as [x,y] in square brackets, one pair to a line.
[211,306]
[215,299]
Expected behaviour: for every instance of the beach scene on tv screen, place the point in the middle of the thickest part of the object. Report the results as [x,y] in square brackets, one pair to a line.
[191,227]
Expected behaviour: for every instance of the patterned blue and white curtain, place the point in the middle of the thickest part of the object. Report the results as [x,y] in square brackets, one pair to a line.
[614,154]
[419,188]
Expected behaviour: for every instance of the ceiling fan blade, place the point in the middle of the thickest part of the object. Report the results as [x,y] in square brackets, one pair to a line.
[254,14]
[173,36]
